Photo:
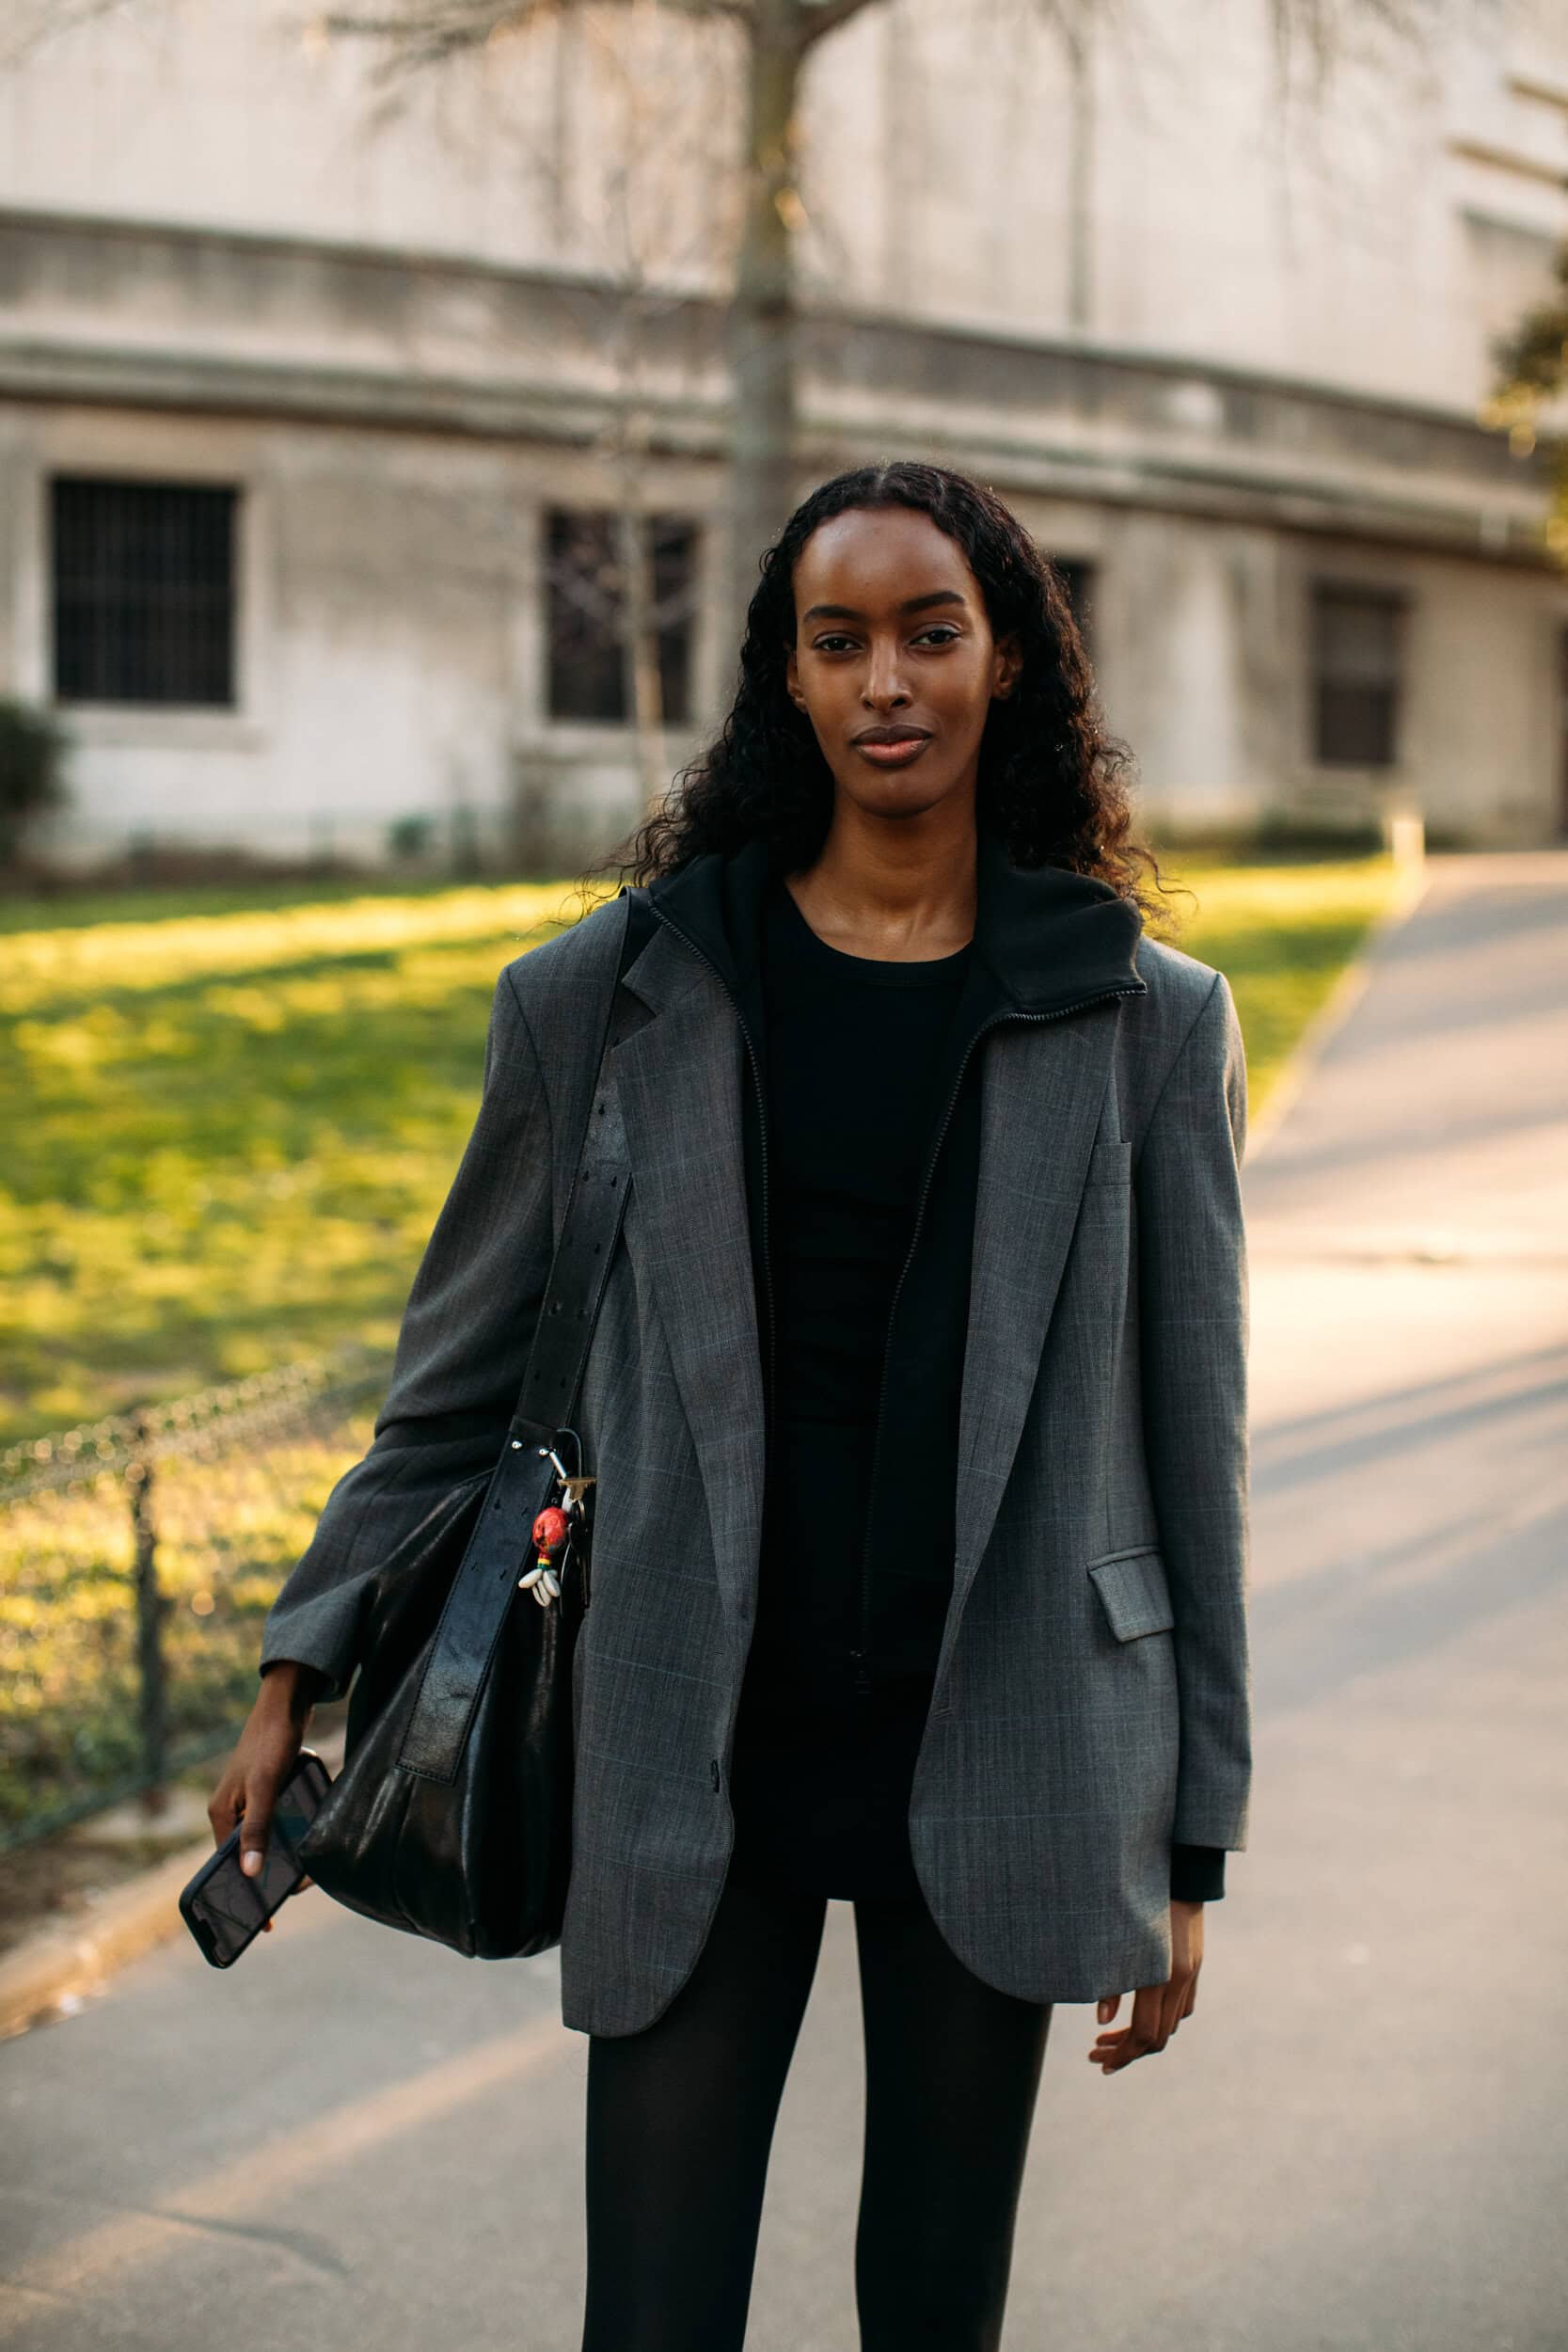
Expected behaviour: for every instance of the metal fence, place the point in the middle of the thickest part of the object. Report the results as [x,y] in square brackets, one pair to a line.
[139,1557]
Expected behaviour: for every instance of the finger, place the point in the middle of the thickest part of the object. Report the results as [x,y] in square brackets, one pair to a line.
[1107,2007]
[1143,2035]
[223,1809]
[255,1829]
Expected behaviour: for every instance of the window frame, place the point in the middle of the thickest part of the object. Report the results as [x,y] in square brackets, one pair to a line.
[612,726]
[151,453]
[220,707]
[1393,601]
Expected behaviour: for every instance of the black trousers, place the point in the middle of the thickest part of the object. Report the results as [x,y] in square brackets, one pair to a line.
[681,2117]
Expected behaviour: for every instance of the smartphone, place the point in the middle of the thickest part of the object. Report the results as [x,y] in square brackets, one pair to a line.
[223,1909]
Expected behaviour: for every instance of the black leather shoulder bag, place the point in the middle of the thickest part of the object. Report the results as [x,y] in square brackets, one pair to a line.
[451,1815]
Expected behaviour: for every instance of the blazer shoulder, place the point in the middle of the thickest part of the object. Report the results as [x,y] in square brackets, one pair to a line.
[1184,994]
[1180,986]
[551,981]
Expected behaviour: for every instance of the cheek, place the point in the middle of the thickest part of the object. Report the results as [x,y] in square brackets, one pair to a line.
[963,691]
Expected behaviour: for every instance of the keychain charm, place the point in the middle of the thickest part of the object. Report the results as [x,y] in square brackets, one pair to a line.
[552,1534]
[555,1528]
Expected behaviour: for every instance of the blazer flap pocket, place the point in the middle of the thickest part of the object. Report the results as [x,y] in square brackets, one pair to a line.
[1133,1588]
[1110,1164]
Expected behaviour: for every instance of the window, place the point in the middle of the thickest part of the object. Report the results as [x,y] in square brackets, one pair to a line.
[1078,579]
[1357,635]
[143,591]
[589,659]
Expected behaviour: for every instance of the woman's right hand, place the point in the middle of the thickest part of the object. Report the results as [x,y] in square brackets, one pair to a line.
[262,1757]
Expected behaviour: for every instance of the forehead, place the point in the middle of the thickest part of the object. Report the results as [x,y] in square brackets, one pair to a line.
[877,556]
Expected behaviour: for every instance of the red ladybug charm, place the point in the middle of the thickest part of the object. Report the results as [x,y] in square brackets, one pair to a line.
[552,1528]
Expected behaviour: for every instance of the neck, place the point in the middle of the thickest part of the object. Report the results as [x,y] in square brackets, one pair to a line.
[902,889]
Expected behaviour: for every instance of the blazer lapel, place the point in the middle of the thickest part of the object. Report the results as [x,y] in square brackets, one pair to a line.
[1042,1085]
[679,1082]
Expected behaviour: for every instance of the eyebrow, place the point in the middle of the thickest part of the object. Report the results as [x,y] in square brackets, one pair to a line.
[910,604]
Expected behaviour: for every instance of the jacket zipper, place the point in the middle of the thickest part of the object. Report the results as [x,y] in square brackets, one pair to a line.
[762,1130]
[859,1656]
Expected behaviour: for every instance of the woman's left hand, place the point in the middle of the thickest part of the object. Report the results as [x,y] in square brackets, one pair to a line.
[1157,2009]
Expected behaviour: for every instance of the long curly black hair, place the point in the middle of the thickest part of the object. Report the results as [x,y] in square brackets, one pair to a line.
[1052,781]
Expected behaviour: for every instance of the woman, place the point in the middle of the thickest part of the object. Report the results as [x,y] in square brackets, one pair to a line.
[917,1404]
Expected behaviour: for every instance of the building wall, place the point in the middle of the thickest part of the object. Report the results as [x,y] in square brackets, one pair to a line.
[392,657]
[1200,635]
[1357,235]
[1215,380]
[390,640]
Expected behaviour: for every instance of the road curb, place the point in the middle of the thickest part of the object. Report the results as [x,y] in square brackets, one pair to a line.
[1410,888]
[50,1973]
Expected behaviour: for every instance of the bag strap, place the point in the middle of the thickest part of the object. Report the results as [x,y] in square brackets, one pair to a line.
[594,1208]
[483,1588]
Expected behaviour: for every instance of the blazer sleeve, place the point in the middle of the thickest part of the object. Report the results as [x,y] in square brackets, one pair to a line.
[461,1355]
[1194,1329]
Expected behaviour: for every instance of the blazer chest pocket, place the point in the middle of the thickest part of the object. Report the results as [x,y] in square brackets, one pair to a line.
[1134,1592]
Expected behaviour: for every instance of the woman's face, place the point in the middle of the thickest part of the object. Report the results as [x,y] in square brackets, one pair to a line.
[893,662]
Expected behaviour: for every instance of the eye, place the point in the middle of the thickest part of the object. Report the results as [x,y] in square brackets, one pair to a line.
[939,633]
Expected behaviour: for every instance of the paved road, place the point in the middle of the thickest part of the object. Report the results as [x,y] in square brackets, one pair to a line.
[1359,2141]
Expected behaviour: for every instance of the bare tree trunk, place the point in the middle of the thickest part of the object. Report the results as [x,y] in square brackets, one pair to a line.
[644,686]
[762,318]
[1079,37]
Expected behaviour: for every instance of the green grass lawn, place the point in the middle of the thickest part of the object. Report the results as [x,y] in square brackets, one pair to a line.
[231,1117]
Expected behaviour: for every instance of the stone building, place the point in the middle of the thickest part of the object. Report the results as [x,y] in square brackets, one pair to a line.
[319,398]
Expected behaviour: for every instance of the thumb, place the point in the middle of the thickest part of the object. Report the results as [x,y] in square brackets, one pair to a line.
[1108,2007]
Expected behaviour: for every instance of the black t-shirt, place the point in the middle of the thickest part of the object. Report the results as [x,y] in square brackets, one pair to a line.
[835,1697]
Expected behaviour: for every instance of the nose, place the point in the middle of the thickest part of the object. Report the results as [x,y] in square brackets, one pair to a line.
[885,687]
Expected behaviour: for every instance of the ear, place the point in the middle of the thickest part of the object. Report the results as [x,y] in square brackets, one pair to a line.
[1009,662]
[792,679]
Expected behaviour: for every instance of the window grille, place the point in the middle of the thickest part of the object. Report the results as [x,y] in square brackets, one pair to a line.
[1356,649]
[143,591]
[585,596]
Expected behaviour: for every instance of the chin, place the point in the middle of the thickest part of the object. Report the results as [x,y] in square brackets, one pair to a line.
[895,796]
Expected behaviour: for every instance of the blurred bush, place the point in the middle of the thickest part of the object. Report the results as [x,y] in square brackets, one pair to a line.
[33,746]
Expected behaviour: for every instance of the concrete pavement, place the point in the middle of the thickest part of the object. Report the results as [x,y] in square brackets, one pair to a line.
[1358,2141]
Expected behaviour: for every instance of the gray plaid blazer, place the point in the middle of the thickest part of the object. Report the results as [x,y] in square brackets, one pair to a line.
[1092,1701]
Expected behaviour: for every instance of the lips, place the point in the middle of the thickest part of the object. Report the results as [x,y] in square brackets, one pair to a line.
[892,747]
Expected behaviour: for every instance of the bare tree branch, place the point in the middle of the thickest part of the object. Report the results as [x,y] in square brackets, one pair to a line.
[1326,33]
[432,32]
[34,22]
[818,18]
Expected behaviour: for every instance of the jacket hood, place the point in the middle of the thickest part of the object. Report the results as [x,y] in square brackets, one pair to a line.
[1044,938]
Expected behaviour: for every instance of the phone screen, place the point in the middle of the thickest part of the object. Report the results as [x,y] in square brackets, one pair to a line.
[222,1907]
